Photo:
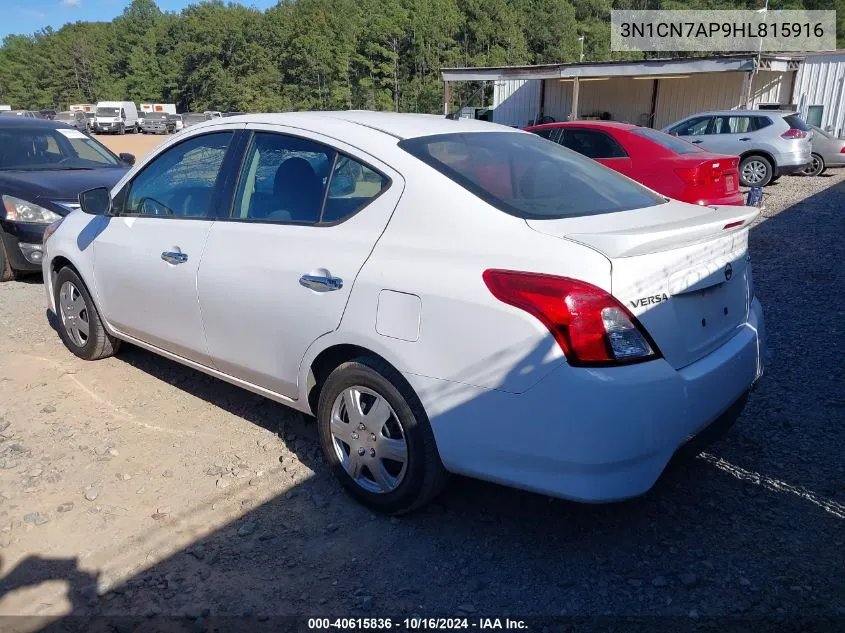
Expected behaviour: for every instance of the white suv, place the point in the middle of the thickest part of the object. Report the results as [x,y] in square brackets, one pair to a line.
[444,296]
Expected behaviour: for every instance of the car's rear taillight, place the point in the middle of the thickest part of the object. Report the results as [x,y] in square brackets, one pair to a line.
[591,327]
[842,151]
[794,132]
[705,174]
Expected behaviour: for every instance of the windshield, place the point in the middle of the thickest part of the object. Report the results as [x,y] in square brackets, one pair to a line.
[195,118]
[672,143]
[65,116]
[526,176]
[37,149]
[156,116]
[108,111]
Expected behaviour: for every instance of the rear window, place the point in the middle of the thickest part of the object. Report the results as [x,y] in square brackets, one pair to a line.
[795,121]
[672,143]
[526,176]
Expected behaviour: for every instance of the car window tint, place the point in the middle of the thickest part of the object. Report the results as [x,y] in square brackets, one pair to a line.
[181,181]
[283,180]
[672,143]
[761,122]
[525,176]
[732,125]
[795,121]
[692,127]
[352,186]
[544,133]
[592,143]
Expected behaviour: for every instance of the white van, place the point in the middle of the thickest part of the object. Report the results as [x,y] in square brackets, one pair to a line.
[5,108]
[116,117]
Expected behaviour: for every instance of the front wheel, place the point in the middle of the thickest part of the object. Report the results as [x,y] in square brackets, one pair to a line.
[755,171]
[377,438]
[79,324]
[815,167]
[121,130]
[6,272]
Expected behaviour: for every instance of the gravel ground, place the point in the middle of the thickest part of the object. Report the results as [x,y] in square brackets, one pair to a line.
[134,486]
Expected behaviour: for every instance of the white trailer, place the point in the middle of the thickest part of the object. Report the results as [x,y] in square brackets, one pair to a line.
[167,108]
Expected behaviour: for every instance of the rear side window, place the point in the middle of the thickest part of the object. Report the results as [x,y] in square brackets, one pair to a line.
[672,143]
[761,122]
[592,143]
[795,121]
[525,176]
[733,124]
[548,133]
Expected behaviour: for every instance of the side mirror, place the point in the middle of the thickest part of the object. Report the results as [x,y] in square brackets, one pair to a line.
[127,158]
[342,186]
[95,201]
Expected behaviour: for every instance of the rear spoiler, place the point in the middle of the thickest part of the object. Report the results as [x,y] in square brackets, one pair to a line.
[649,239]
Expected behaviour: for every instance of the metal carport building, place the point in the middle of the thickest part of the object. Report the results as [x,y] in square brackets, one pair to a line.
[652,92]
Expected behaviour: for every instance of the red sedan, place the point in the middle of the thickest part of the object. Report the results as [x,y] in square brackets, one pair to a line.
[664,163]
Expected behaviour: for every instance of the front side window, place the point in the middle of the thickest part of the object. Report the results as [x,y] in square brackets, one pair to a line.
[288,179]
[180,182]
[592,143]
[692,127]
[525,176]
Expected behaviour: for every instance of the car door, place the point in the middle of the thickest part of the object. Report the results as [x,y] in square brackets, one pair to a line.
[277,275]
[598,145]
[695,130]
[147,255]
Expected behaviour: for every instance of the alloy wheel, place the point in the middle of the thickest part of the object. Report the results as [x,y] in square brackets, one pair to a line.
[754,172]
[369,440]
[74,313]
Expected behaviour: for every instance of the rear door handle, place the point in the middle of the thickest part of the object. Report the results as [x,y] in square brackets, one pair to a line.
[696,141]
[321,283]
[745,138]
[174,257]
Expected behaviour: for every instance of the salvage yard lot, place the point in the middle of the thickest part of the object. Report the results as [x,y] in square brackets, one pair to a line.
[134,485]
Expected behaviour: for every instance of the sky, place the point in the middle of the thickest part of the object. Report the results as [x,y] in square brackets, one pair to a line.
[24,17]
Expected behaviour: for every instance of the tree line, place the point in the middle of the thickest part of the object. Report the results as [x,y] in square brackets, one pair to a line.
[312,54]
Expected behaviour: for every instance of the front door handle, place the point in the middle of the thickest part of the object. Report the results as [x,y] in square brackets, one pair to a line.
[745,138]
[321,283]
[174,257]
[697,141]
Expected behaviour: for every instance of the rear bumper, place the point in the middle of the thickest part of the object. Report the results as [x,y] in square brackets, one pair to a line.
[23,245]
[789,162]
[733,199]
[593,435]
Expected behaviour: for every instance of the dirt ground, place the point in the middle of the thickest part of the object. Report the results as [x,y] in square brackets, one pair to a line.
[135,486]
[138,144]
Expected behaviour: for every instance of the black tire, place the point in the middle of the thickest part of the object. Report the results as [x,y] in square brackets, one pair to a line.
[6,272]
[755,164]
[424,475]
[121,130]
[816,166]
[99,343]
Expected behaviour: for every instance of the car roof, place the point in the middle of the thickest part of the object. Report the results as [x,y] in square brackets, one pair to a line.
[742,113]
[616,125]
[400,126]
[19,121]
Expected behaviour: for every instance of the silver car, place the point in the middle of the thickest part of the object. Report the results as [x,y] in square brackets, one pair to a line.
[828,151]
[770,143]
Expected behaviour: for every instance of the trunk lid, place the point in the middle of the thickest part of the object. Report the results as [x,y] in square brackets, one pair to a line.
[681,269]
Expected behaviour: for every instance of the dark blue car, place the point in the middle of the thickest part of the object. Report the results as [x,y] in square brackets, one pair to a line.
[44,166]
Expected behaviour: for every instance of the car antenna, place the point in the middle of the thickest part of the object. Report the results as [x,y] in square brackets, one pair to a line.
[456,114]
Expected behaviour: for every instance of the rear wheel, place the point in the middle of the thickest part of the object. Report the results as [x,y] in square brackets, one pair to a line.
[816,166]
[377,438]
[79,324]
[755,171]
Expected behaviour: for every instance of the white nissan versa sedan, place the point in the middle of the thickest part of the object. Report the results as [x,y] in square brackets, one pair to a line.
[444,296]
